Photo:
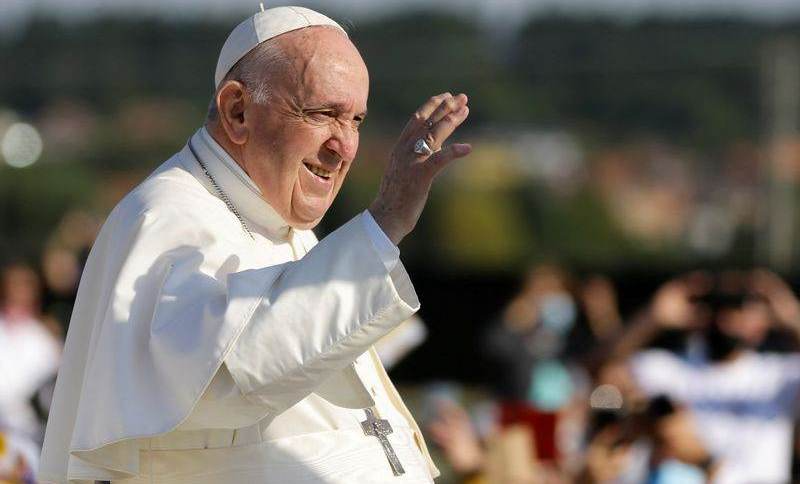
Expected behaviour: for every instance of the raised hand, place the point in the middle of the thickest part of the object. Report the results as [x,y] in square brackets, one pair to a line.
[454,432]
[409,175]
[673,305]
[779,296]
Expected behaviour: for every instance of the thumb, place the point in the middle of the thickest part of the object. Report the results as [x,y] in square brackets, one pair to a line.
[443,157]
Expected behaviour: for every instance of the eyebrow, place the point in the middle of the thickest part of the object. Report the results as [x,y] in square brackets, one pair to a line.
[336,106]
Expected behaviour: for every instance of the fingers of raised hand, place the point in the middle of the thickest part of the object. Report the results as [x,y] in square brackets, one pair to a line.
[420,117]
[447,106]
[426,110]
[434,122]
[433,111]
[438,160]
[446,125]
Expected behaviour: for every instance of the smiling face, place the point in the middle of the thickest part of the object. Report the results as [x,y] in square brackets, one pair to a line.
[301,143]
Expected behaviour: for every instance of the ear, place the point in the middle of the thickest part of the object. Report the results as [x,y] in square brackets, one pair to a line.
[232,101]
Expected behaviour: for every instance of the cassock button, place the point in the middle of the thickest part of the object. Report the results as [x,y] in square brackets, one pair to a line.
[373,392]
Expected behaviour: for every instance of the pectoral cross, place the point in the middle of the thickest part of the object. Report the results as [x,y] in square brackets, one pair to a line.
[380,428]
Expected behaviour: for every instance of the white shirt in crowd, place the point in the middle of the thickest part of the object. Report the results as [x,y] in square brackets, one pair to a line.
[29,356]
[744,409]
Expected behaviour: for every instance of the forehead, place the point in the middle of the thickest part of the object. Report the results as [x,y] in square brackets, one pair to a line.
[326,68]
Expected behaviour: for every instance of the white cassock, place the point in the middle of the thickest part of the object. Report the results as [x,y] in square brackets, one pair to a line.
[197,354]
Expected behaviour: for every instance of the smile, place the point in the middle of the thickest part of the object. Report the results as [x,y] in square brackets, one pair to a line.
[319,171]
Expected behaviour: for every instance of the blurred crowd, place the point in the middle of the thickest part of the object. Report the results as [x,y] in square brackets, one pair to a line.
[698,384]
[36,301]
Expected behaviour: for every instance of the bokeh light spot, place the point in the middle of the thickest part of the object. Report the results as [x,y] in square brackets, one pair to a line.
[606,397]
[22,145]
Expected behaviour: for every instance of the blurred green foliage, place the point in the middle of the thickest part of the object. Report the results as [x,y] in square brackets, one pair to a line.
[147,83]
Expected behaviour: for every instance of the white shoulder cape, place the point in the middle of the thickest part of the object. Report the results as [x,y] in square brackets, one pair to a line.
[169,286]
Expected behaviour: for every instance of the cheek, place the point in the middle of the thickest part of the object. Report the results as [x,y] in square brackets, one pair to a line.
[288,154]
[356,140]
[308,144]
[345,170]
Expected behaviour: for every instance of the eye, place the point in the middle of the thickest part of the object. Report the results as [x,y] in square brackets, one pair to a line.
[320,116]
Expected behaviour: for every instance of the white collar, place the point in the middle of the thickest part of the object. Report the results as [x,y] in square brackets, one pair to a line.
[239,188]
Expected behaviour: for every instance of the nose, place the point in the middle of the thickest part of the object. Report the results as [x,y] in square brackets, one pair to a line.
[343,142]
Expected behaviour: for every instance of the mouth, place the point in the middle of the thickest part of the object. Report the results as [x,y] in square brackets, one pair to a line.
[319,171]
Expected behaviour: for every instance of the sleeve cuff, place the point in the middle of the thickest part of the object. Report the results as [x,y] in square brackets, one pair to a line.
[388,252]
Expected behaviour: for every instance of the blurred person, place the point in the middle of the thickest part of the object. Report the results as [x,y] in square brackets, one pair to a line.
[18,458]
[76,232]
[61,271]
[679,454]
[599,300]
[743,402]
[504,456]
[62,263]
[617,449]
[531,335]
[30,352]
[29,357]
[526,346]
[613,454]
[608,461]
[454,432]
[657,443]
[543,332]
[548,320]
[213,339]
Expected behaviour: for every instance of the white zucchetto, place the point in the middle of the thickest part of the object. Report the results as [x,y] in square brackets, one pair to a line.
[263,26]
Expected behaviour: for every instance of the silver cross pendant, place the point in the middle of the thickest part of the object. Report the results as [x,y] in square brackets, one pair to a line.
[380,428]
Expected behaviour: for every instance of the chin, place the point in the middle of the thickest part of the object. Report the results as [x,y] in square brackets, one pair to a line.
[307,216]
[305,225]
[305,222]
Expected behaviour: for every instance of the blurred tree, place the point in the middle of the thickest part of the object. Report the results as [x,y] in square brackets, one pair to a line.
[416,55]
[693,80]
[143,85]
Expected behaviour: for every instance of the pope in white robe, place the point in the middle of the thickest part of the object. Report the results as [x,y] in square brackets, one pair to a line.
[214,340]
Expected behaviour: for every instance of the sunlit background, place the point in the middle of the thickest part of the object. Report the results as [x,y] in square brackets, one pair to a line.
[626,140]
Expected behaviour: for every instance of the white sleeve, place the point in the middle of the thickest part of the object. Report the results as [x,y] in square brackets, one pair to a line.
[322,312]
[388,252]
[223,406]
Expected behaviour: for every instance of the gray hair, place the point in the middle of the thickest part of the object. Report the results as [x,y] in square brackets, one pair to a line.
[254,70]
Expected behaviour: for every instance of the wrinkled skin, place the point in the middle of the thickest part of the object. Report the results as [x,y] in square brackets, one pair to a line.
[312,118]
